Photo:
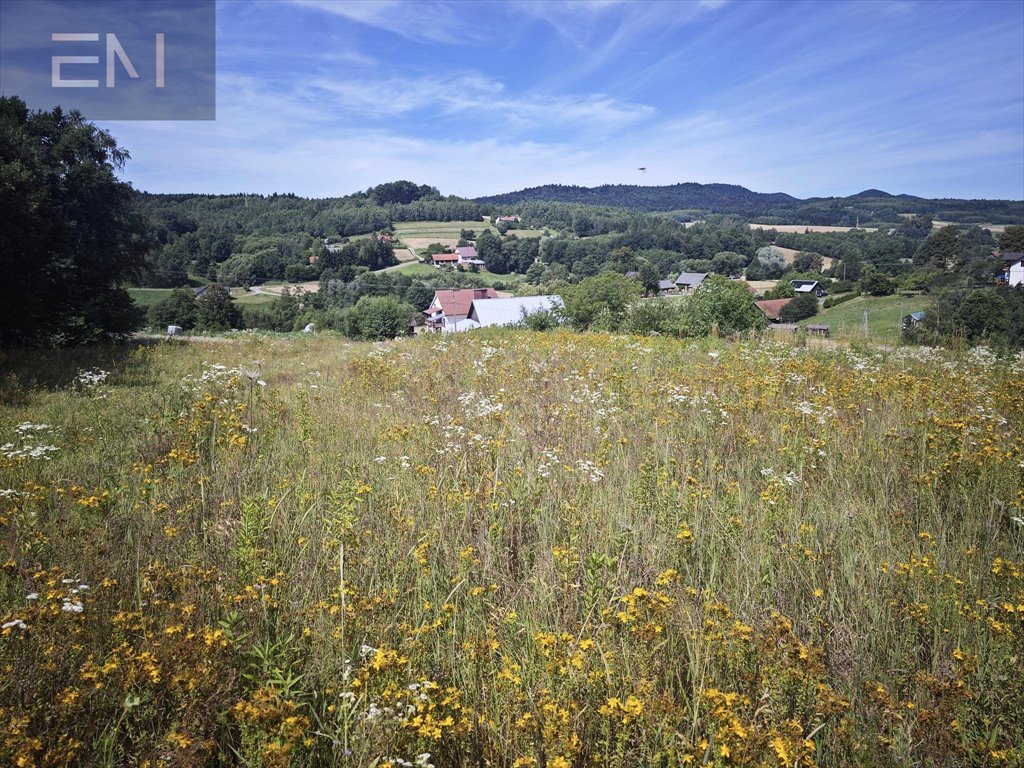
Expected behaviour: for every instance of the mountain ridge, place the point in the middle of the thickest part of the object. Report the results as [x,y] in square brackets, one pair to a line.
[870,205]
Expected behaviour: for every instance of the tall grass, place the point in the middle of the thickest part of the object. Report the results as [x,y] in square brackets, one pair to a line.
[511,549]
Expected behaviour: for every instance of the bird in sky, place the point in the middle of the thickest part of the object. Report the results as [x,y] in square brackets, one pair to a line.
[643,168]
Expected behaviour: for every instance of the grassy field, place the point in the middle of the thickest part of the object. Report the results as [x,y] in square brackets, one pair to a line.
[147,297]
[884,312]
[511,549]
[451,229]
[241,296]
[425,270]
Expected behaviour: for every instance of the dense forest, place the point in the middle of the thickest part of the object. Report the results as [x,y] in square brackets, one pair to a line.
[693,201]
[249,239]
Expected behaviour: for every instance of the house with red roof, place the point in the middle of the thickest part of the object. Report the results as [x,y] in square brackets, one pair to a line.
[771,308]
[444,259]
[451,306]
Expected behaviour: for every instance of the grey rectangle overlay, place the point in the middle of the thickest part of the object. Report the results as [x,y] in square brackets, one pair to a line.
[112,59]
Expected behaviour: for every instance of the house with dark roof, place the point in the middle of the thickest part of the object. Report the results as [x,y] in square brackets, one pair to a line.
[450,307]
[688,281]
[666,286]
[808,286]
[771,308]
[467,255]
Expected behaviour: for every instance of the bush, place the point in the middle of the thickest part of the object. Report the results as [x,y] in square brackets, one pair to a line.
[177,309]
[600,302]
[832,301]
[723,303]
[800,308]
[662,316]
[783,290]
[215,311]
[877,284]
[842,286]
[377,318]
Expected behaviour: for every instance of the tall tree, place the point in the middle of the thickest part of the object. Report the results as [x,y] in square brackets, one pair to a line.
[70,232]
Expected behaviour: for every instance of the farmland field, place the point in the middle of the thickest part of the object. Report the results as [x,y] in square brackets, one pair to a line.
[425,270]
[884,313]
[511,549]
[802,228]
[427,232]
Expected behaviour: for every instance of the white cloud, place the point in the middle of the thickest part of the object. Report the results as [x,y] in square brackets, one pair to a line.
[420,21]
[475,95]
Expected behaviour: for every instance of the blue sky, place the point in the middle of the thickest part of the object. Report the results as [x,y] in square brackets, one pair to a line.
[323,98]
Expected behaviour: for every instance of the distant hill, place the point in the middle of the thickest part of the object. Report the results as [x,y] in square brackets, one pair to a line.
[689,196]
[690,200]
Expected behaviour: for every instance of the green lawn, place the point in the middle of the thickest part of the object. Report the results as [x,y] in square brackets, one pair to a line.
[147,297]
[418,269]
[249,299]
[884,313]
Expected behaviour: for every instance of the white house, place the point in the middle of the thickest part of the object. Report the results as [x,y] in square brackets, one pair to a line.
[510,311]
[1014,268]
[448,311]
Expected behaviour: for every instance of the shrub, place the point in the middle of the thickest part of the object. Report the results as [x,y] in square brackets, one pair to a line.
[800,308]
[877,284]
[832,301]
[377,318]
[177,309]
[215,311]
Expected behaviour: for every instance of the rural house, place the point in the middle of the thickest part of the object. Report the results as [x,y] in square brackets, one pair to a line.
[444,259]
[809,286]
[687,281]
[451,307]
[666,286]
[509,311]
[1014,275]
[771,308]
[467,255]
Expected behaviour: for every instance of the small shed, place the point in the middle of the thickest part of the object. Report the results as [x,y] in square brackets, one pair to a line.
[818,330]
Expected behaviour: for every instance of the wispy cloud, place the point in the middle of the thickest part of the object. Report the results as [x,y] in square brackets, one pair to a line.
[472,94]
[420,21]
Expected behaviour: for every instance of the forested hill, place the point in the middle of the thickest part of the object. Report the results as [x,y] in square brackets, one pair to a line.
[726,198]
[692,200]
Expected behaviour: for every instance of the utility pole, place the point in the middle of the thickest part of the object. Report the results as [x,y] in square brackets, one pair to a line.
[865,323]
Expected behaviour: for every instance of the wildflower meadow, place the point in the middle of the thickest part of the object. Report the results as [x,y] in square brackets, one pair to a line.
[511,549]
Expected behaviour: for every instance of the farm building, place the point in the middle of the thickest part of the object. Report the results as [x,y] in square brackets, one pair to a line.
[1014,269]
[467,255]
[451,306]
[913,319]
[687,281]
[666,286]
[444,259]
[809,286]
[771,308]
[510,311]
